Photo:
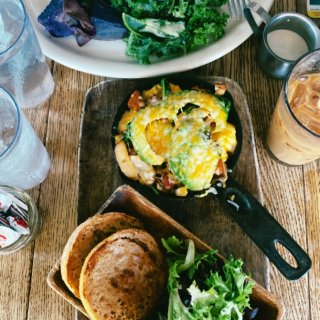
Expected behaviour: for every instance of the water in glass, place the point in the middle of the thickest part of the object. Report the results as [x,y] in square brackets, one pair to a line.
[24,71]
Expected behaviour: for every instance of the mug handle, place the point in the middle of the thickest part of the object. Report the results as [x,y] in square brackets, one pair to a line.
[263,14]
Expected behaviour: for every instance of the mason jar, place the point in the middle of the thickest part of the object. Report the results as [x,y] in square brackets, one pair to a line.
[33,220]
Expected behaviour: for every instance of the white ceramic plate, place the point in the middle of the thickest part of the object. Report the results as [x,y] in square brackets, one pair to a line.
[107,58]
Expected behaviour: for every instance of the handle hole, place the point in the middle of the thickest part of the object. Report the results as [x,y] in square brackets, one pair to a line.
[286,254]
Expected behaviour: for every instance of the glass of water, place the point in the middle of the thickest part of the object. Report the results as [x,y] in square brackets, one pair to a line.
[24,161]
[23,68]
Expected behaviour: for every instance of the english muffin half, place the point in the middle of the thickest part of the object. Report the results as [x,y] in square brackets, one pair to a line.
[123,277]
[84,238]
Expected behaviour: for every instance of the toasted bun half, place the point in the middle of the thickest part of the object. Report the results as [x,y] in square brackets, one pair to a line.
[123,277]
[84,238]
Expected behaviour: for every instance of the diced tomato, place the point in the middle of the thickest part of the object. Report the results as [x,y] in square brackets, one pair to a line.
[136,101]
[166,182]
[220,169]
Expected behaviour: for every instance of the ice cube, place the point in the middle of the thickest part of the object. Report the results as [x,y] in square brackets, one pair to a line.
[316,85]
[314,102]
[298,96]
[5,36]
[303,78]
[6,136]
[2,146]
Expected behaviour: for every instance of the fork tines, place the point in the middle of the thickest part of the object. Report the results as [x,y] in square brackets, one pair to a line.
[236,9]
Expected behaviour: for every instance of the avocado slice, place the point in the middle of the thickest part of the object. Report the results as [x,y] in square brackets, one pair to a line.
[169,108]
[158,27]
[138,131]
[193,156]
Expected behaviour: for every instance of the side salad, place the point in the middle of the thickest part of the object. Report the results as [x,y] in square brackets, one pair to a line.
[201,287]
[150,28]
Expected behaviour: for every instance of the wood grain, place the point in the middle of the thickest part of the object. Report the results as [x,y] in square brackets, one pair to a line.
[24,273]
[291,194]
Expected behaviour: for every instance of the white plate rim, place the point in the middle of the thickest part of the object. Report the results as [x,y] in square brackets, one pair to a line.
[90,59]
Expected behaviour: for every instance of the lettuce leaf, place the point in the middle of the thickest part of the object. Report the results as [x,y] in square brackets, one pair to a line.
[85,19]
[213,294]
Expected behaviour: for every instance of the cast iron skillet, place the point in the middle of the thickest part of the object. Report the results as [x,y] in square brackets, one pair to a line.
[253,218]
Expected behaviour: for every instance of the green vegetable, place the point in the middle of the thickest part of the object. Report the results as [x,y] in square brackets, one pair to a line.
[165,85]
[180,9]
[225,104]
[214,294]
[157,27]
[142,48]
[170,28]
[144,8]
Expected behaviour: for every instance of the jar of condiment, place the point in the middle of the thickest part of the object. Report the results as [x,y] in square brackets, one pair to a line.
[19,219]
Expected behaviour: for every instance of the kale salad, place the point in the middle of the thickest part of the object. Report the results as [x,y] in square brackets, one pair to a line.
[152,29]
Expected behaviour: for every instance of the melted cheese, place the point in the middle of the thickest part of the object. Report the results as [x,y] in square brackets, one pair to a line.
[158,134]
[226,139]
[126,118]
[196,142]
[156,90]
[192,157]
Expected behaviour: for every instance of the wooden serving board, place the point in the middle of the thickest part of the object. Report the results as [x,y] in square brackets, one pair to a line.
[159,225]
[99,175]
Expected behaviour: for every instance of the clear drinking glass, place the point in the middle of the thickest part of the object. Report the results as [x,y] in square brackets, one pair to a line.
[294,132]
[23,68]
[24,161]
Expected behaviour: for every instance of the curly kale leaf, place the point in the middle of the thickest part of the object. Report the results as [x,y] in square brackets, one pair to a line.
[142,48]
[202,19]
[144,8]
[205,25]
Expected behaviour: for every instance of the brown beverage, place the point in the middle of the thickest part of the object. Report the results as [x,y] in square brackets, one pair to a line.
[305,101]
[294,133]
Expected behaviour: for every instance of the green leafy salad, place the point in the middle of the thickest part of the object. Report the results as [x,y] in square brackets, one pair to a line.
[169,28]
[151,28]
[201,287]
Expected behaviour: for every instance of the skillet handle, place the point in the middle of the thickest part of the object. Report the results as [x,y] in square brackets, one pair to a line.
[263,229]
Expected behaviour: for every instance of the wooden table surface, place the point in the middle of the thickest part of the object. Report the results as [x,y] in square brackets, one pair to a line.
[291,194]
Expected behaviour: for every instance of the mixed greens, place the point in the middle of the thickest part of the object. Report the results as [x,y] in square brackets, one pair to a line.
[170,28]
[201,287]
[151,28]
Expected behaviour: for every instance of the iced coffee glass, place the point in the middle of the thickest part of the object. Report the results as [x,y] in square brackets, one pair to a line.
[294,132]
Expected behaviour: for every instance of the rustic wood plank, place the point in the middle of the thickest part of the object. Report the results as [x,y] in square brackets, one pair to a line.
[57,203]
[282,188]
[312,200]
[16,268]
[15,284]
[312,216]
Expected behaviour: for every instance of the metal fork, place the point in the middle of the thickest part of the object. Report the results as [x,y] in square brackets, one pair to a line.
[236,8]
